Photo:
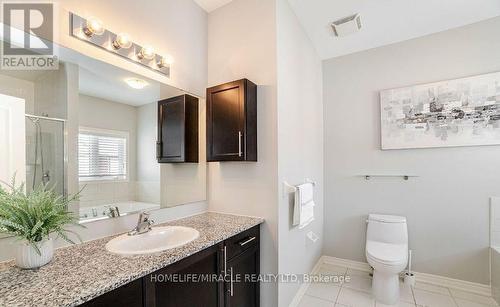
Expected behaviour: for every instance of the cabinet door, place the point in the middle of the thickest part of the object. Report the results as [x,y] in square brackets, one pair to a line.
[243,288]
[225,122]
[175,286]
[128,295]
[171,130]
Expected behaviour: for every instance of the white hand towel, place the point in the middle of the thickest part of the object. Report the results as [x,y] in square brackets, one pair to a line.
[306,214]
[303,212]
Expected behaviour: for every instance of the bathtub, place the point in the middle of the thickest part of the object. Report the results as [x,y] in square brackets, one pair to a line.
[88,214]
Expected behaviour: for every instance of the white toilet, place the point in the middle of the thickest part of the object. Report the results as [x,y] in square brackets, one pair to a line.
[387,253]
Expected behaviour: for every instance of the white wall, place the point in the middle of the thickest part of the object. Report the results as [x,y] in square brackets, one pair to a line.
[242,44]
[300,144]
[51,93]
[148,174]
[19,88]
[118,117]
[447,206]
[12,134]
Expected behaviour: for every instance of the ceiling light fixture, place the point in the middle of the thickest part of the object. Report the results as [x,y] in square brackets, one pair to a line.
[122,40]
[93,26]
[136,83]
[147,53]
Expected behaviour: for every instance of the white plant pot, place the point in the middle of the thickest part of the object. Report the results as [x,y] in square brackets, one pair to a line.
[28,258]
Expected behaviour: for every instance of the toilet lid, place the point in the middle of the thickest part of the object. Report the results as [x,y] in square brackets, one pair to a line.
[386,252]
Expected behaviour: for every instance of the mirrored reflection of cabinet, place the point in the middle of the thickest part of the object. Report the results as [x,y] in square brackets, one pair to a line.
[177,130]
[232,122]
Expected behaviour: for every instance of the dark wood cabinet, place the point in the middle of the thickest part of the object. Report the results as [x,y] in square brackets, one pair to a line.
[177,130]
[187,283]
[130,295]
[223,275]
[242,290]
[232,122]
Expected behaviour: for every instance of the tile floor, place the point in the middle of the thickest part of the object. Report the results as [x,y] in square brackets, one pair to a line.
[357,293]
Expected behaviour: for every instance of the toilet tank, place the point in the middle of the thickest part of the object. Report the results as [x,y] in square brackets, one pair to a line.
[387,229]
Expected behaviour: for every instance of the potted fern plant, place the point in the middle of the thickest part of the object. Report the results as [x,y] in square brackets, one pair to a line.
[32,217]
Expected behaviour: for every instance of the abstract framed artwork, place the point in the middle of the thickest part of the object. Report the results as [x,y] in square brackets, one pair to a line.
[460,112]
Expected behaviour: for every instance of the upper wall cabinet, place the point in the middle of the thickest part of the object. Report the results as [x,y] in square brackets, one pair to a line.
[232,122]
[177,130]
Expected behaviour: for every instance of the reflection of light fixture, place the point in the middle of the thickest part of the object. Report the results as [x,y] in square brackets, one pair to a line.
[147,53]
[136,83]
[122,40]
[93,26]
[165,61]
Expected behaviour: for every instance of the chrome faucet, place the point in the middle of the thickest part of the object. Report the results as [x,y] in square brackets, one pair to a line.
[143,224]
[114,211]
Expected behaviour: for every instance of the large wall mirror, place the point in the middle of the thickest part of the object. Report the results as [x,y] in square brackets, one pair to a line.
[92,126]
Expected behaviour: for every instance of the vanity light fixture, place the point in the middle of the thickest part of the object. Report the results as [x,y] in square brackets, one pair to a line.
[92,31]
[122,40]
[147,53]
[93,26]
[136,83]
[165,61]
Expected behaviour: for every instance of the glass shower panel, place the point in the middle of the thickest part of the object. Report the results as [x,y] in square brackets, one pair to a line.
[45,160]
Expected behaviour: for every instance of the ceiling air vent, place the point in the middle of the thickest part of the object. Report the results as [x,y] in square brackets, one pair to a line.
[347,25]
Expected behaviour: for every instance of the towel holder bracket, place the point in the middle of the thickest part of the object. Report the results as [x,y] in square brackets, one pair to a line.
[289,188]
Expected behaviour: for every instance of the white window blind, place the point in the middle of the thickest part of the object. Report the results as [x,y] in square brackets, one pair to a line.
[102,155]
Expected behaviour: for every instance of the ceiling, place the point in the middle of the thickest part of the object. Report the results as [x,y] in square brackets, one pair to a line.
[98,79]
[211,5]
[386,21]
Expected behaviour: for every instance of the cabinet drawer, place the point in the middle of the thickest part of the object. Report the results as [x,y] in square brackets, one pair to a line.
[242,242]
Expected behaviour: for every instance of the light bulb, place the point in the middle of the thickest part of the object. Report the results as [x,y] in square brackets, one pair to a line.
[93,26]
[147,53]
[166,60]
[122,40]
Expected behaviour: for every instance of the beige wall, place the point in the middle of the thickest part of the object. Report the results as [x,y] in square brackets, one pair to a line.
[242,44]
[447,206]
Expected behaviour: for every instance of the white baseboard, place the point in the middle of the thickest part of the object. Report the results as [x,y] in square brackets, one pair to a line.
[419,277]
[454,283]
[303,288]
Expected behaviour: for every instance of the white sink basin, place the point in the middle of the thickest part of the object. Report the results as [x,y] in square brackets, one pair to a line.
[156,240]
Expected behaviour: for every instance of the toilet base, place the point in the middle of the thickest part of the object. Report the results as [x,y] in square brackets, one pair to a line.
[385,287]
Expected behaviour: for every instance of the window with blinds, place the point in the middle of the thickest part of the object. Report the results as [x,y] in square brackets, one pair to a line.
[102,155]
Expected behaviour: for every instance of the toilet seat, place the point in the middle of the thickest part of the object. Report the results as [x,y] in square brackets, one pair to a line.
[387,253]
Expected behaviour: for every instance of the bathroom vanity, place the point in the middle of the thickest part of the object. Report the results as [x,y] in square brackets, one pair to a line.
[172,286]
[88,275]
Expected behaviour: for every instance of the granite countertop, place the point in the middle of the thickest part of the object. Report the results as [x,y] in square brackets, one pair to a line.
[84,271]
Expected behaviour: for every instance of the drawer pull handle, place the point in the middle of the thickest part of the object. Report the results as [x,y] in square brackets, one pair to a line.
[231,286]
[240,151]
[225,260]
[247,241]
